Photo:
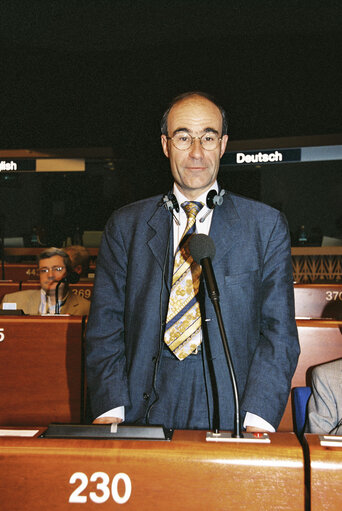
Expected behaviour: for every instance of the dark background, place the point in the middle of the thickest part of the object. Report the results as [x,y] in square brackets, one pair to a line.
[101,73]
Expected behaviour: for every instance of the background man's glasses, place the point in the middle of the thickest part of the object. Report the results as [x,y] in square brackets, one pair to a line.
[183,140]
[54,269]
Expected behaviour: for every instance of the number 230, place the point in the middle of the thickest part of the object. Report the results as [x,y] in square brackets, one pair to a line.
[102,486]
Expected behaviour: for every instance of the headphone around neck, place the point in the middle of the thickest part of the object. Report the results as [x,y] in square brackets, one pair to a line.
[213,199]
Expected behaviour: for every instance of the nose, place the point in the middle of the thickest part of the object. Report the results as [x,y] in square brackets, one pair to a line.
[196,149]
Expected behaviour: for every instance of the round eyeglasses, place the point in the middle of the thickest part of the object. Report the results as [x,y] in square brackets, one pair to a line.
[182,140]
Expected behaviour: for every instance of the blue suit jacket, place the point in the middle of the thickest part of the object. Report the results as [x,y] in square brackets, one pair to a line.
[253,270]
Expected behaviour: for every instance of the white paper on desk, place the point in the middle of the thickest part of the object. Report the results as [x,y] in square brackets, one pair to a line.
[330,440]
[18,432]
[48,315]
[9,306]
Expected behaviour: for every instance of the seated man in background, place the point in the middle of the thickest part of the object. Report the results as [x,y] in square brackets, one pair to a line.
[79,257]
[325,403]
[53,265]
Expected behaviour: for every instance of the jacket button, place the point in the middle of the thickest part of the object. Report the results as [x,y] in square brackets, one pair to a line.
[146,396]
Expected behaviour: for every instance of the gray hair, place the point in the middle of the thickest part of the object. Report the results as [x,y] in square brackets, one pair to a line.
[54,251]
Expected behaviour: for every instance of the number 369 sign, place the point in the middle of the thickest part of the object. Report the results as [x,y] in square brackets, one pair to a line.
[104,488]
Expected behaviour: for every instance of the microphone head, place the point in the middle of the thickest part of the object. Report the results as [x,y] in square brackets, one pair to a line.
[71,278]
[201,246]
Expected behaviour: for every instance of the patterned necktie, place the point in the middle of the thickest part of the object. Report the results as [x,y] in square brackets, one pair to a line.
[183,322]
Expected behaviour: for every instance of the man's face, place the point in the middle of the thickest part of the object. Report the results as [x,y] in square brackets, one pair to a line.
[49,279]
[195,169]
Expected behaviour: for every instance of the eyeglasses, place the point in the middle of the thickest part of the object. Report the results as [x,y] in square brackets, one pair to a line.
[182,140]
[54,269]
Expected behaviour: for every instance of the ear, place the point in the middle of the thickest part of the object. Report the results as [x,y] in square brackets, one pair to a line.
[164,143]
[223,145]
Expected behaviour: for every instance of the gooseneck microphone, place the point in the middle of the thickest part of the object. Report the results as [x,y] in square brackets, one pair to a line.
[71,278]
[202,250]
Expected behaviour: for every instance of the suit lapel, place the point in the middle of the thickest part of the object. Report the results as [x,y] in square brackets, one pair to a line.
[225,228]
[161,241]
[69,304]
[34,302]
[224,231]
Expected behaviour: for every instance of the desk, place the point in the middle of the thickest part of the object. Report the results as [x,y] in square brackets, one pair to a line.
[318,301]
[82,288]
[41,376]
[320,341]
[184,474]
[325,475]
[21,271]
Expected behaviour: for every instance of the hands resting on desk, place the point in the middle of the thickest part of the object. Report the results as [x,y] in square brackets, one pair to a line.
[107,420]
[116,420]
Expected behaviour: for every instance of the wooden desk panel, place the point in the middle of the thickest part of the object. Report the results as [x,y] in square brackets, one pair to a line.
[7,287]
[83,288]
[320,341]
[41,377]
[21,271]
[186,473]
[325,475]
[318,301]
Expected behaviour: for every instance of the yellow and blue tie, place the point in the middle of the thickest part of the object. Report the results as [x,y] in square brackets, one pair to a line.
[183,321]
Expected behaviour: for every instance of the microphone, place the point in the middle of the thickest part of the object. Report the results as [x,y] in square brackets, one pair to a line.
[72,277]
[202,250]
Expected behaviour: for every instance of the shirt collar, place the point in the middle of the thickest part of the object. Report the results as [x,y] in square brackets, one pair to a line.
[202,198]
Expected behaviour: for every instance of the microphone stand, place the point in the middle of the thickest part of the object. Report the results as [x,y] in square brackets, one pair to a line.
[71,278]
[57,307]
[214,296]
[202,250]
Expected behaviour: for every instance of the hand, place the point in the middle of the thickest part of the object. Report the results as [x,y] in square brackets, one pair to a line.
[253,429]
[107,420]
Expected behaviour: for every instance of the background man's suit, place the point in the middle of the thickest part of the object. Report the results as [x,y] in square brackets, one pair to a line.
[125,329]
[29,301]
[325,403]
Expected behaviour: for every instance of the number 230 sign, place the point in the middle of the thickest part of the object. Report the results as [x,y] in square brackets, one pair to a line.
[104,488]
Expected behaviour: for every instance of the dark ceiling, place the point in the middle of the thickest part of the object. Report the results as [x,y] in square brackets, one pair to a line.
[100,73]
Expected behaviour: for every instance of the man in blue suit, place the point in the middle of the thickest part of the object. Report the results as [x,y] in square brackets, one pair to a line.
[132,374]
